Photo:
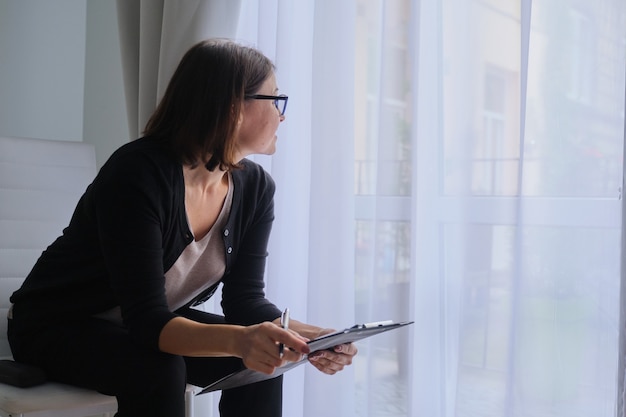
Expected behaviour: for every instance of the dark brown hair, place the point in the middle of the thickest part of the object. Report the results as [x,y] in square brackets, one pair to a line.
[200,110]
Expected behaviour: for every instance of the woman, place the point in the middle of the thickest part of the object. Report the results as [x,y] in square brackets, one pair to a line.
[168,217]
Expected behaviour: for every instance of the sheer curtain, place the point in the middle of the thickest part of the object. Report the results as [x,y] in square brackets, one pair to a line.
[457,163]
[311,262]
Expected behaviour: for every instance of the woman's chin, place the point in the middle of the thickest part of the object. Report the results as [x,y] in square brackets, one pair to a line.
[271,147]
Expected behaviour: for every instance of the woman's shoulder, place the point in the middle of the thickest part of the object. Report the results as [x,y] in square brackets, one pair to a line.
[141,154]
[143,146]
[252,173]
[142,162]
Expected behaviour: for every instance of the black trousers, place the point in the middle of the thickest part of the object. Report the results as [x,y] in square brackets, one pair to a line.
[100,355]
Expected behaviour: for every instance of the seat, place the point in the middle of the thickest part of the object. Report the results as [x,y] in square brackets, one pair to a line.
[40,184]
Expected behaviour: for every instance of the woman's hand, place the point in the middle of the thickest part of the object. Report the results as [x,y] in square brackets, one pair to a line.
[333,360]
[327,361]
[259,347]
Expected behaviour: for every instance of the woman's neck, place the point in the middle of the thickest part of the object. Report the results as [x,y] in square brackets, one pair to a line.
[201,178]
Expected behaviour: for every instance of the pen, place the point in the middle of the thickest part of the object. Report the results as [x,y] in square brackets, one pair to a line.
[284,323]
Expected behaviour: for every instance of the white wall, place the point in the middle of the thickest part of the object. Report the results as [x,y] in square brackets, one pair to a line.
[105,123]
[60,72]
[42,68]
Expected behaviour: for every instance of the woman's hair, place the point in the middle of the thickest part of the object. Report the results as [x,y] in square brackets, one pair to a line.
[199,112]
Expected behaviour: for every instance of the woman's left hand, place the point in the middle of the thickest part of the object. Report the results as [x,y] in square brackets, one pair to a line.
[328,361]
[333,360]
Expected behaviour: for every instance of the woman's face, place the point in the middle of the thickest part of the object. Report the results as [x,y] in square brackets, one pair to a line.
[259,122]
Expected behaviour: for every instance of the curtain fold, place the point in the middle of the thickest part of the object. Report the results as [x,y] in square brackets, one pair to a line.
[427,369]
[154,35]
[620,406]
[519,268]
[140,39]
[330,289]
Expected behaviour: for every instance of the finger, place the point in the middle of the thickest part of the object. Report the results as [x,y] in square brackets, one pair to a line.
[331,360]
[270,359]
[263,363]
[290,355]
[299,336]
[338,358]
[272,336]
[325,365]
[293,341]
[349,349]
[323,369]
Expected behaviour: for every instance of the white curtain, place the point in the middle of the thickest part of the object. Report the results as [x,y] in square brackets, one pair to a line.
[457,163]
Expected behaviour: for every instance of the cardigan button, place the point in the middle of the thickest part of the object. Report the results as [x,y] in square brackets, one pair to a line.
[226,232]
[230,249]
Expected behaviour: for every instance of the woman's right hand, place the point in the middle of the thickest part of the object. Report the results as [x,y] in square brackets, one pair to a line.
[258,347]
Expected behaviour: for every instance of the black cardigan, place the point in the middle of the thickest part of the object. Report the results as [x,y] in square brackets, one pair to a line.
[129,227]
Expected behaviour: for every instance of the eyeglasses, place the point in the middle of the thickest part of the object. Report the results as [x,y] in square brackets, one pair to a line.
[279,101]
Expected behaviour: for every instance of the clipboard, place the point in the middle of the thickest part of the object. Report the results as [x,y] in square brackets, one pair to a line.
[353,334]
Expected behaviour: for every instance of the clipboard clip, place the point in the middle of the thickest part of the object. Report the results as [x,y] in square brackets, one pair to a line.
[372,324]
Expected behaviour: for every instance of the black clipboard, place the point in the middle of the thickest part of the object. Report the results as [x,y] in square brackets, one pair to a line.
[247,376]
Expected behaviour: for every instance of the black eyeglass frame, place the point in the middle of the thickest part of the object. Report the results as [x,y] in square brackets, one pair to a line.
[277,100]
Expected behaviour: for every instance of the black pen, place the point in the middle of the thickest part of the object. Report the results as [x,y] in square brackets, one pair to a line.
[284,323]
